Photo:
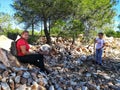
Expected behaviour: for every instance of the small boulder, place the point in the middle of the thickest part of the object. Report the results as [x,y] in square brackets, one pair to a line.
[5,86]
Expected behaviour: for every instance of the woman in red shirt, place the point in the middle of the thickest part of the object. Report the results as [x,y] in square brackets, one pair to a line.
[25,56]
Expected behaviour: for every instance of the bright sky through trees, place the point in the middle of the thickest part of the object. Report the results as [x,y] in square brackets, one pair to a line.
[5,6]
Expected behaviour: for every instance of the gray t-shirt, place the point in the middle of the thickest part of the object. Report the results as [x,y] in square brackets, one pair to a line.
[99,43]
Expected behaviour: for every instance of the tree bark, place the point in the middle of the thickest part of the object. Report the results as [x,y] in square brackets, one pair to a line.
[73,41]
[47,34]
[32,28]
[49,25]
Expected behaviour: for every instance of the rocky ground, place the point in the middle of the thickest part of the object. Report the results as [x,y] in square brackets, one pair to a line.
[71,68]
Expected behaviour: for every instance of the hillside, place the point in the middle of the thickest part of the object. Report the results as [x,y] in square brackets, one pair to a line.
[71,67]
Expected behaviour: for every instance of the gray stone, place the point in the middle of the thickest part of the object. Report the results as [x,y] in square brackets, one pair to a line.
[23,80]
[51,87]
[97,87]
[2,66]
[83,58]
[29,82]
[4,58]
[88,74]
[59,88]
[16,69]
[84,88]
[26,75]
[70,88]
[4,79]
[22,87]
[106,77]
[79,61]
[17,79]
[118,81]
[73,83]
[13,75]
[5,86]
[12,84]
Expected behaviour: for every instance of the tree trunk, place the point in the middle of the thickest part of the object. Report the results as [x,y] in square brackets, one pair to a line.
[47,34]
[49,25]
[32,29]
[73,41]
[41,27]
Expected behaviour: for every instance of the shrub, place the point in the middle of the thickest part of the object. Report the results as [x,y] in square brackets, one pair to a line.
[112,33]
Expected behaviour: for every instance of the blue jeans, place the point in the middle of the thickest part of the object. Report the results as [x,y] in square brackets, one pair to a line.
[99,55]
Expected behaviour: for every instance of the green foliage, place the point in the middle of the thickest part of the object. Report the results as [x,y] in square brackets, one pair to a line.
[5,20]
[67,18]
[12,34]
[33,11]
[119,26]
[33,39]
[112,33]
[94,14]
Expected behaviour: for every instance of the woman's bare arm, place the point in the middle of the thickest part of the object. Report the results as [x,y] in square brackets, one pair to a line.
[23,50]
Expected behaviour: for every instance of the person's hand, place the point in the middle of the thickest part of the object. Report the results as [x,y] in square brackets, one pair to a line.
[99,48]
[44,53]
[95,41]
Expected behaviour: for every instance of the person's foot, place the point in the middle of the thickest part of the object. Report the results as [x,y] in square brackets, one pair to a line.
[47,71]
[44,70]
[100,64]
[96,62]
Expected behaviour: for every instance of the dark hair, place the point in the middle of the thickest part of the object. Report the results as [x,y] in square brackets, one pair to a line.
[101,33]
[24,32]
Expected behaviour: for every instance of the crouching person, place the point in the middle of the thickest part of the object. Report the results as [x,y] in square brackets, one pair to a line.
[25,56]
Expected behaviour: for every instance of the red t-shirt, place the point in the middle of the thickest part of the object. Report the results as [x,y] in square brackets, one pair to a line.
[22,42]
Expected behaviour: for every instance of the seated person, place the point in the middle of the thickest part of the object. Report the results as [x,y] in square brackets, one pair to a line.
[25,56]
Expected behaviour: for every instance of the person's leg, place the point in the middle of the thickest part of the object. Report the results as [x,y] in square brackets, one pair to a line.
[100,56]
[23,59]
[35,59]
[39,62]
[96,55]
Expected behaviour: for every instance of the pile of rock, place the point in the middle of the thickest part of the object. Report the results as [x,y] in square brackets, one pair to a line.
[71,68]
[5,42]
[22,79]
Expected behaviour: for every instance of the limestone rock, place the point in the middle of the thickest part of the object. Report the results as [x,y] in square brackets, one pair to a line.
[51,87]
[88,74]
[34,76]
[5,74]
[20,73]
[23,80]
[26,75]
[3,58]
[13,60]
[71,68]
[45,48]
[2,67]
[84,88]
[13,75]
[29,82]
[5,42]
[4,79]
[83,57]
[17,79]
[5,86]
[1,78]
[12,84]
[22,87]
[41,88]
[8,59]
[34,86]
